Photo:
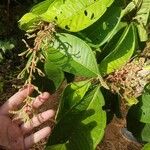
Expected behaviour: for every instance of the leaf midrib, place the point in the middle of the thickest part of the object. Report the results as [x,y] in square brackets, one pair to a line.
[77,105]
[74,107]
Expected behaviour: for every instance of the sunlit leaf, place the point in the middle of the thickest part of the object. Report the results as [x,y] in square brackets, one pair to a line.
[72,55]
[121,54]
[103,30]
[72,15]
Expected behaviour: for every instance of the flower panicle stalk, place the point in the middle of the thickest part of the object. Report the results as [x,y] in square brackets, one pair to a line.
[35,55]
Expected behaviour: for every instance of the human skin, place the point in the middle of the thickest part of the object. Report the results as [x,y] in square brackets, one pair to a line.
[16,135]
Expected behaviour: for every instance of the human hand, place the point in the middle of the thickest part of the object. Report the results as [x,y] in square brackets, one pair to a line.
[17,136]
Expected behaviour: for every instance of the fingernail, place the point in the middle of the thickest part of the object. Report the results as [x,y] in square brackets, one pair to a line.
[45,95]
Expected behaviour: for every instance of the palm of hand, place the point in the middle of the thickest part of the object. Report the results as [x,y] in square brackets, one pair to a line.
[18,136]
[10,134]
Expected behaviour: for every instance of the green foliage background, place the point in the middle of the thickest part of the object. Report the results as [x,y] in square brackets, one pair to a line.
[93,39]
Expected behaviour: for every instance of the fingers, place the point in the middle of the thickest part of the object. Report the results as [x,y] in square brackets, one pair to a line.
[36,137]
[37,120]
[40,100]
[16,100]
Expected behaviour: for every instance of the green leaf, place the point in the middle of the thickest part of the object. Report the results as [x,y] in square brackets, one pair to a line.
[111,45]
[142,32]
[145,111]
[140,130]
[122,52]
[72,55]
[1,58]
[72,15]
[28,21]
[42,7]
[143,12]
[103,30]
[142,108]
[146,147]
[129,8]
[82,126]
[136,116]
[6,45]
[76,15]
[145,132]
[73,93]
[142,17]
[54,73]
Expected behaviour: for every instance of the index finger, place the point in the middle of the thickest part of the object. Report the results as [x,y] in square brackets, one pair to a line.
[16,100]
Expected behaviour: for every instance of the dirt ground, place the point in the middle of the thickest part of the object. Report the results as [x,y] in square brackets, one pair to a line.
[114,138]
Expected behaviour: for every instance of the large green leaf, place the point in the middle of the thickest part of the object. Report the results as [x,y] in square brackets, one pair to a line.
[54,73]
[81,127]
[72,15]
[122,52]
[102,31]
[75,15]
[73,55]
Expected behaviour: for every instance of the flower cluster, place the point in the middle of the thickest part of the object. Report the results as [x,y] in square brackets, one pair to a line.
[42,31]
[130,80]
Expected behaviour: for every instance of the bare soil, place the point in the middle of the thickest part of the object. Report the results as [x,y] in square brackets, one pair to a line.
[115,140]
